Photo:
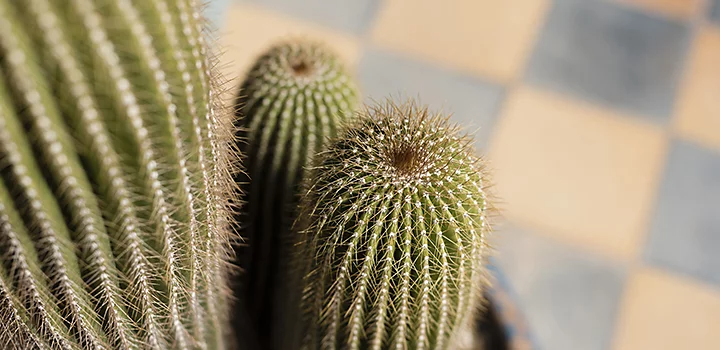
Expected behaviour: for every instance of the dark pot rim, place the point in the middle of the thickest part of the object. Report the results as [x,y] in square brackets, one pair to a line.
[503,325]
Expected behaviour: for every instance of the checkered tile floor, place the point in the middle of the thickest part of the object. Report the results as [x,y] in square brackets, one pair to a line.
[602,121]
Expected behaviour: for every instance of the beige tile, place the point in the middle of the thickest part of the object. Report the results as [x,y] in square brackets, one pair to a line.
[490,38]
[682,9]
[249,30]
[585,175]
[660,311]
[698,108]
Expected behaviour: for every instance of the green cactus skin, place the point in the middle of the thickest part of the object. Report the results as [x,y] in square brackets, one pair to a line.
[393,233]
[115,177]
[292,99]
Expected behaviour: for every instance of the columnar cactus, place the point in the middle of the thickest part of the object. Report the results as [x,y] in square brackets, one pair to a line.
[292,99]
[393,233]
[114,179]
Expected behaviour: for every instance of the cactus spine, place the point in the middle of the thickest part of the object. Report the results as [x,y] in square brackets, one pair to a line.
[393,234]
[292,99]
[114,177]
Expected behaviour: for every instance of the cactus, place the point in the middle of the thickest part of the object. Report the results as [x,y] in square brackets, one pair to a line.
[293,98]
[392,234]
[114,183]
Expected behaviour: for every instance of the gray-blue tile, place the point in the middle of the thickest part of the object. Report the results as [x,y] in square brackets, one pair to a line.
[352,16]
[215,11]
[474,103]
[569,297]
[715,11]
[685,230]
[612,55]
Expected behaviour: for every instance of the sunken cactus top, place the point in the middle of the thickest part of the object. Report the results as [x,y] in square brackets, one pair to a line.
[393,234]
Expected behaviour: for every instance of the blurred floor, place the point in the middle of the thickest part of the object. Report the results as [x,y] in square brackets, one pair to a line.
[602,121]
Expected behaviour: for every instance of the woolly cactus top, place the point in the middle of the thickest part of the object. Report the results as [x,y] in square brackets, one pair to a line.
[293,97]
[301,63]
[395,225]
[300,78]
[406,146]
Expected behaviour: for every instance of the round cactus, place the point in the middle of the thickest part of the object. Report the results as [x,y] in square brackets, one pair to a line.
[393,234]
[292,99]
[114,177]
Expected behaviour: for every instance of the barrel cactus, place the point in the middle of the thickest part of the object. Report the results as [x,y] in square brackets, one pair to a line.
[114,183]
[392,234]
[292,99]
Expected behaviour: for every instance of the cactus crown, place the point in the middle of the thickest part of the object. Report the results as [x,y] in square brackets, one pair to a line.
[298,62]
[393,233]
[291,100]
[403,145]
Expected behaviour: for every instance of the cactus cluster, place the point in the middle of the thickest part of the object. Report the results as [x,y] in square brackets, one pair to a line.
[114,177]
[392,234]
[119,186]
[293,98]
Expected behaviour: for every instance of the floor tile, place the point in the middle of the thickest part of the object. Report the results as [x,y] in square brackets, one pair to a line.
[250,29]
[473,102]
[665,312]
[351,16]
[681,9]
[489,38]
[685,231]
[612,55]
[582,174]
[569,297]
[715,11]
[215,10]
[697,115]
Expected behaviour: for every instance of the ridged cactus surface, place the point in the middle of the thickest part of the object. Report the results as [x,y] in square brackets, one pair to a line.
[393,234]
[292,99]
[114,177]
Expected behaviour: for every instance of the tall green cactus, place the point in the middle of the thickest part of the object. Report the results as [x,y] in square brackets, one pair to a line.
[292,99]
[114,180]
[393,234]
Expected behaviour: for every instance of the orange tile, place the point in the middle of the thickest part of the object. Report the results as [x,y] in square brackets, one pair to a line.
[698,108]
[585,175]
[249,30]
[682,9]
[490,38]
[660,311]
